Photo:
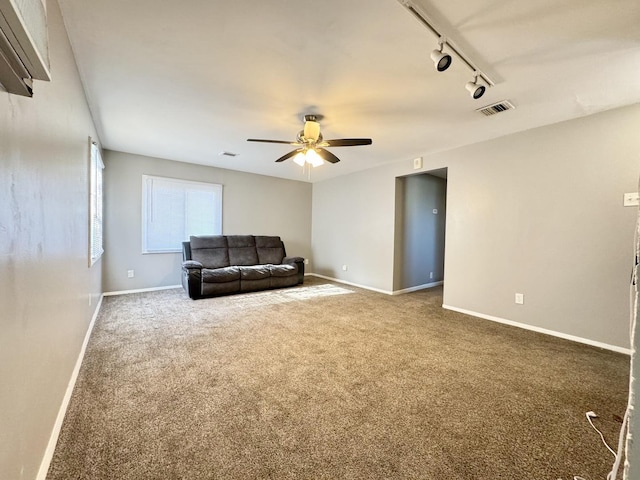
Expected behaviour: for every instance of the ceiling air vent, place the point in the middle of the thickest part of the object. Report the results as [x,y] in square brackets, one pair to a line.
[499,107]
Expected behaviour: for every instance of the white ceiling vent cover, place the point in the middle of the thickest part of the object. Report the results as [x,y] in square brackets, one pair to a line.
[495,108]
[24,50]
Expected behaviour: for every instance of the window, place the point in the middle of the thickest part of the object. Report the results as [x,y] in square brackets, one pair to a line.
[173,209]
[95,204]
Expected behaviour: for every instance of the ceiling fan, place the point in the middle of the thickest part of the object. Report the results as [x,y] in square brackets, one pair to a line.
[311,145]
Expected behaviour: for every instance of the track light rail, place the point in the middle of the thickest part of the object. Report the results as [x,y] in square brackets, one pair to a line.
[415,11]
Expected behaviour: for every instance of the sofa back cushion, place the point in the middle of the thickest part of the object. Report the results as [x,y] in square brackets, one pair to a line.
[270,250]
[210,250]
[242,250]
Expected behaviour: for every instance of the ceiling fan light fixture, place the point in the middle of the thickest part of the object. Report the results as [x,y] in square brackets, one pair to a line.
[311,130]
[313,158]
[309,156]
[300,158]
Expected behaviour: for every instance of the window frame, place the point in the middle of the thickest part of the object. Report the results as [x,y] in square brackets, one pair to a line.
[96,203]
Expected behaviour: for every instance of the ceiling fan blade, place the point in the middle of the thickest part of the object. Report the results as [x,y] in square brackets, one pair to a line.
[272,141]
[348,142]
[327,155]
[288,155]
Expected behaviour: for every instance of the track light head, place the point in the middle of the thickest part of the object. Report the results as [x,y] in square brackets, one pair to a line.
[441,60]
[474,89]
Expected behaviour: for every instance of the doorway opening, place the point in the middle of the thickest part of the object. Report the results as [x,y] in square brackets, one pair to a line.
[420,228]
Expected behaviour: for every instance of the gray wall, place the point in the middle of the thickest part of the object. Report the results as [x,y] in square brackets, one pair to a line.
[541,213]
[252,204]
[47,291]
[420,233]
[538,212]
[353,225]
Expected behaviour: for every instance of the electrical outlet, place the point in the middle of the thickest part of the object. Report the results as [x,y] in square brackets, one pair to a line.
[345,268]
[130,273]
[430,274]
[520,298]
[306,261]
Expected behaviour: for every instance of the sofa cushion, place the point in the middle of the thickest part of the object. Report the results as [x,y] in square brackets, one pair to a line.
[208,241]
[254,272]
[270,249]
[285,270]
[242,250]
[220,275]
[210,250]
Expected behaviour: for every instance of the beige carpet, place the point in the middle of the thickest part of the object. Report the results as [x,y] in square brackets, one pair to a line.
[326,381]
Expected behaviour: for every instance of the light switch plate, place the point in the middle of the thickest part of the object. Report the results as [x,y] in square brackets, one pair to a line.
[417,163]
[631,199]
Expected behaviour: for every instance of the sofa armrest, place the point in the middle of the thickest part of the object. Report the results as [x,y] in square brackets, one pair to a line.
[299,261]
[190,264]
[293,260]
[192,278]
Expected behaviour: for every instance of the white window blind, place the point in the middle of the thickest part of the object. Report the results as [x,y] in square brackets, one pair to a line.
[95,204]
[173,210]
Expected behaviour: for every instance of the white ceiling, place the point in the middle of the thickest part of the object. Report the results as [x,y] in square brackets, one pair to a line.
[188,79]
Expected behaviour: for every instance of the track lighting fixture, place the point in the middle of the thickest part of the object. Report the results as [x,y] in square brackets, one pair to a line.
[441,60]
[474,89]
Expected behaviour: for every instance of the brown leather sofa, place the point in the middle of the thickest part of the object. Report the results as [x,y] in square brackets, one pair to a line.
[224,264]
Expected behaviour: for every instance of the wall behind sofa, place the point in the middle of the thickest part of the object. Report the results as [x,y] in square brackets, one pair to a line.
[252,204]
[48,292]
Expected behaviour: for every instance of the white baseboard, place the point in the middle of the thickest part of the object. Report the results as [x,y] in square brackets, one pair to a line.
[565,336]
[140,290]
[417,287]
[386,292]
[57,426]
[379,290]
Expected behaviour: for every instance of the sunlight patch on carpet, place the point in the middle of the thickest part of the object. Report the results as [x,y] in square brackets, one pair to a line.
[274,297]
[305,293]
